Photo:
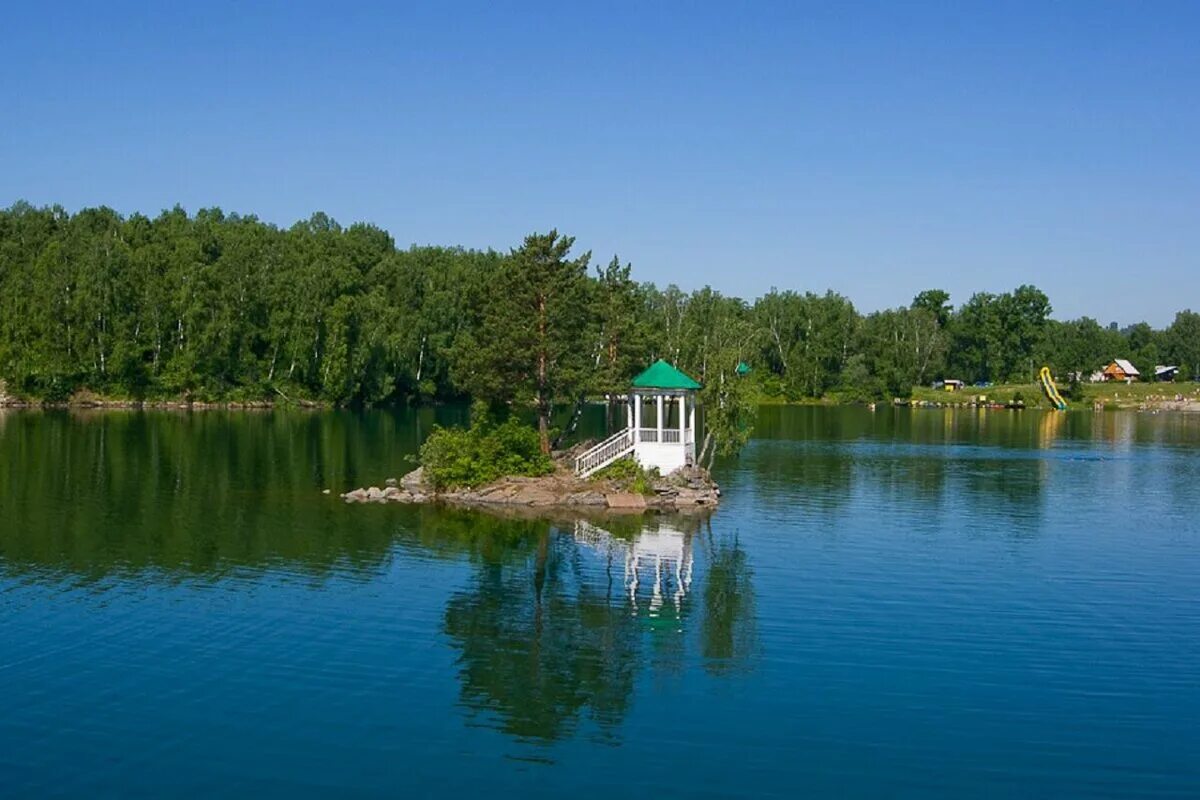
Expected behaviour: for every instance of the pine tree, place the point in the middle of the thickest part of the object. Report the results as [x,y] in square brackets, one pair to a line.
[530,347]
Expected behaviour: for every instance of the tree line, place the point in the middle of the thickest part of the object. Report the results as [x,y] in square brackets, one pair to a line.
[218,306]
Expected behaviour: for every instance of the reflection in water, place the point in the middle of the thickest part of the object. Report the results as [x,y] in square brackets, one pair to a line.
[555,623]
[1050,426]
[728,634]
[664,551]
[538,646]
[180,605]
[559,636]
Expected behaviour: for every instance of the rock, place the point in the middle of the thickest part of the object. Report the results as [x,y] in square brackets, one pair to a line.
[414,481]
[391,483]
[374,494]
[356,496]
[533,496]
[325,491]
[625,501]
[586,499]
[391,492]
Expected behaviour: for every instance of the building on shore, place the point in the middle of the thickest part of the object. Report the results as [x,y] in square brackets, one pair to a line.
[1166,374]
[1121,370]
[660,430]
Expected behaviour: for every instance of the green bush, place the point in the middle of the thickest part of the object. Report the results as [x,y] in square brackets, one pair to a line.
[458,457]
[641,481]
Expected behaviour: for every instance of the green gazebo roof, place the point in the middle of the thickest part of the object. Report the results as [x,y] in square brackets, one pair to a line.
[661,375]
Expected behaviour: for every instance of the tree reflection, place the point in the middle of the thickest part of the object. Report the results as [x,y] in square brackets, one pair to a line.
[728,635]
[559,635]
[539,646]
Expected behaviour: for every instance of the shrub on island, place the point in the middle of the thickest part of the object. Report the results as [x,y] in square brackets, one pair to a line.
[455,458]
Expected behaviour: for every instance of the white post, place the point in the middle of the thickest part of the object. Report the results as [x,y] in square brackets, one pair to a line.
[682,417]
[692,421]
[659,398]
[629,412]
[637,412]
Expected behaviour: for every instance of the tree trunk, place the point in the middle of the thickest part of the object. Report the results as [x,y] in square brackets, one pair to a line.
[543,400]
[544,428]
[576,414]
[708,442]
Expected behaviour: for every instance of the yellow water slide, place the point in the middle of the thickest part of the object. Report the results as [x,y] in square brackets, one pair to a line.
[1051,390]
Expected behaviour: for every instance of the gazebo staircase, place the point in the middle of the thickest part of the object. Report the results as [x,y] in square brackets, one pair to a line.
[617,446]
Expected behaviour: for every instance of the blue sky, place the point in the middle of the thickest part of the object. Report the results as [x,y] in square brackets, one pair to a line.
[875,149]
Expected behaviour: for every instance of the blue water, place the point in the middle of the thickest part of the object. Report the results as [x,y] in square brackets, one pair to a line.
[903,604]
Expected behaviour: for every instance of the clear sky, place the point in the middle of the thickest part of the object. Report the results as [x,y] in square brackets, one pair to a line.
[875,149]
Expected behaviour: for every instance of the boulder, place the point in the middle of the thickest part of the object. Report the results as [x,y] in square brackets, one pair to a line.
[414,481]
[625,501]
[586,499]
[533,496]
[391,483]
[356,496]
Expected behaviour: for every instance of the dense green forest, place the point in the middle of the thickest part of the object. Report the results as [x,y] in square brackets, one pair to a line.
[216,306]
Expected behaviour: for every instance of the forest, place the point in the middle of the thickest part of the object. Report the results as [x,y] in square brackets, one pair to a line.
[222,307]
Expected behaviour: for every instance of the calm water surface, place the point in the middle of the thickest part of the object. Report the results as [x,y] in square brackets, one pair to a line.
[899,603]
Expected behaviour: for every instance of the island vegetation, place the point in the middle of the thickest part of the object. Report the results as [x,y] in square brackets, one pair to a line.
[217,307]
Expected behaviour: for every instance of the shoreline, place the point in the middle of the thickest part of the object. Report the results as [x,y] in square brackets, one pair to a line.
[688,491]
[1138,397]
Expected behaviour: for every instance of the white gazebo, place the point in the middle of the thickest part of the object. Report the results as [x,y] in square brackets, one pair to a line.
[660,427]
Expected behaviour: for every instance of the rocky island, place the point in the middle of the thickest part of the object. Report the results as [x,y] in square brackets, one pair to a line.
[686,490]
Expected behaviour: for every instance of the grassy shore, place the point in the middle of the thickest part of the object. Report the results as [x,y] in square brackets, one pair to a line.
[1108,395]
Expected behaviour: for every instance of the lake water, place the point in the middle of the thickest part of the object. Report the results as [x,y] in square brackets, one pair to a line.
[905,603]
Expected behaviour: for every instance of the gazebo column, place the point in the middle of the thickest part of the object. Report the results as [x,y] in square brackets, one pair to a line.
[682,417]
[692,420]
[629,411]
[659,398]
[637,413]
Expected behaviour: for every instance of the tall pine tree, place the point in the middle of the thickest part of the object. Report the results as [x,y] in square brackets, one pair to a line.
[530,348]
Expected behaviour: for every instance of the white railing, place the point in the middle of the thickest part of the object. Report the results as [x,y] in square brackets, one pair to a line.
[669,435]
[618,445]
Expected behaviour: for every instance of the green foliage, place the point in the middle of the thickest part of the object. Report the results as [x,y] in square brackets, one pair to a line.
[482,453]
[622,333]
[1182,342]
[530,345]
[729,405]
[620,470]
[640,480]
[997,337]
[216,306]
[805,338]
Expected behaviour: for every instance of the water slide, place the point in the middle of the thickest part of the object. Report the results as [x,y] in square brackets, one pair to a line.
[1051,390]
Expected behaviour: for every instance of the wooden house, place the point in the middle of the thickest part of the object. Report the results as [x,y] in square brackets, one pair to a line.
[1121,370]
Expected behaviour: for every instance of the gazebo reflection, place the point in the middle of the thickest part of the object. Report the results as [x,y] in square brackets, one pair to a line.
[550,635]
[658,562]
